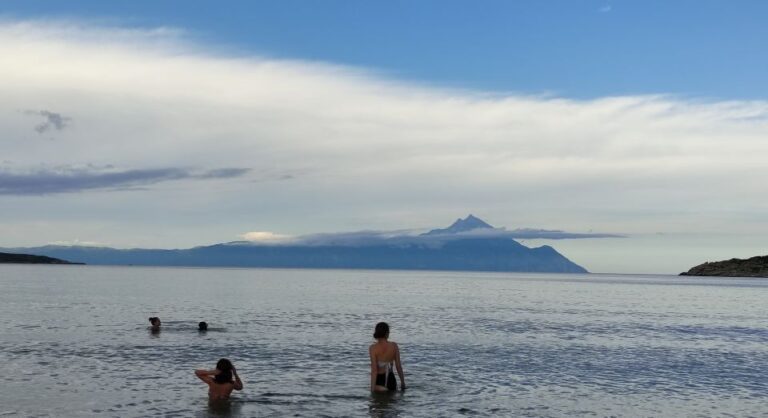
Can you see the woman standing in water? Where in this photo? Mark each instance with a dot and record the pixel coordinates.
(383, 353)
(219, 380)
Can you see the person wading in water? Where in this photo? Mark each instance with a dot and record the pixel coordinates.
(220, 380)
(383, 353)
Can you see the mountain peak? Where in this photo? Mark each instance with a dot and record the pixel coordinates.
(469, 223)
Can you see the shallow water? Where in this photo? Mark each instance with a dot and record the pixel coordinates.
(74, 341)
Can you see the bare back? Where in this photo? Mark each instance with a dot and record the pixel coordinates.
(384, 352)
(219, 391)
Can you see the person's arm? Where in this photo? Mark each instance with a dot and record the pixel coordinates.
(374, 368)
(205, 375)
(399, 367)
(238, 382)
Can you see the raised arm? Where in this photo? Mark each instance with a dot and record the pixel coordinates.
(206, 375)
(238, 382)
(399, 367)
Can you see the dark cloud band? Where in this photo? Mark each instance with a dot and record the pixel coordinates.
(70, 180)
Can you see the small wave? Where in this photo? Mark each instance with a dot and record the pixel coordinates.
(313, 395)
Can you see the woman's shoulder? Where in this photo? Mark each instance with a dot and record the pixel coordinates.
(386, 347)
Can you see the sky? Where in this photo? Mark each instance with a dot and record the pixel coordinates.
(178, 124)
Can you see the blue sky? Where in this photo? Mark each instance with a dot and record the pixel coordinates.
(177, 124)
(578, 49)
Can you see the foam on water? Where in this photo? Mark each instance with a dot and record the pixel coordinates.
(75, 342)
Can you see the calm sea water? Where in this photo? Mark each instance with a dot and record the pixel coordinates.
(74, 342)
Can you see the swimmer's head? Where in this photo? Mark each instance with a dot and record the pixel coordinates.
(155, 321)
(224, 366)
(202, 326)
(381, 331)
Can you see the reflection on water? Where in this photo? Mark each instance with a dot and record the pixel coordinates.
(384, 404)
(223, 408)
(472, 344)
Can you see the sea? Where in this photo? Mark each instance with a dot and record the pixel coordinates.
(75, 342)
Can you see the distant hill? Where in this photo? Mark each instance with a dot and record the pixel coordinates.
(462, 246)
(30, 259)
(735, 267)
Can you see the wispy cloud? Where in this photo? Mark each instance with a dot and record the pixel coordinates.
(77, 243)
(51, 120)
(266, 237)
(78, 179)
(605, 9)
(554, 234)
(222, 173)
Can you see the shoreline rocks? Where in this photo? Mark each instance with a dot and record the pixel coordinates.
(735, 267)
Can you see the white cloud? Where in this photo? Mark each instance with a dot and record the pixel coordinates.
(265, 236)
(332, 148)
(77, 243)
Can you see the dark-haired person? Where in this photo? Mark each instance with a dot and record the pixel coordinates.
(383, 354)
(154, 323)
(220, 380)
(202, 326)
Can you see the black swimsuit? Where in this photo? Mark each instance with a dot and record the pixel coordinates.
(387, 379)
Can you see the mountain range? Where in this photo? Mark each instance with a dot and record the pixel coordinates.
(469, 244)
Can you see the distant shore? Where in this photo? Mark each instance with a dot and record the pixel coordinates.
(10, 258)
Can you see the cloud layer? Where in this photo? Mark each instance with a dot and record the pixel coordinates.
(362, 238)
(361, 151)
(71, 179)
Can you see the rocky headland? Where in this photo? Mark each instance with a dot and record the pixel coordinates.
(30, 259)
(735, 267)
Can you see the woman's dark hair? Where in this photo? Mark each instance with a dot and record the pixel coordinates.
(153, 319)
(381, 331)
(224, 367)
(202, 326)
